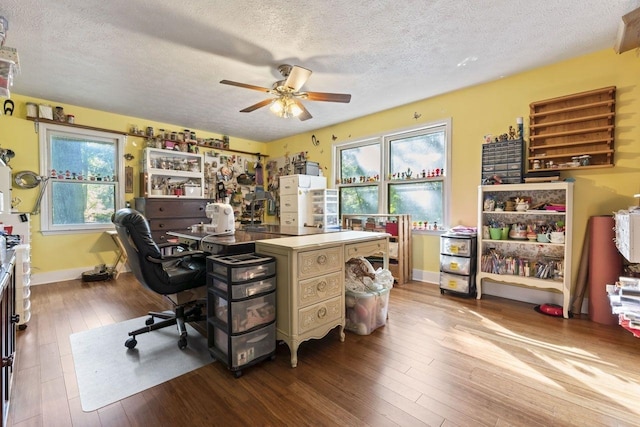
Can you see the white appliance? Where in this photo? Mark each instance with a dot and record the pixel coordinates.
(222, 219)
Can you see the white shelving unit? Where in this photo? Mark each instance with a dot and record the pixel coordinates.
(23, 284)
(324, 209)
(522, 254)
(21, 223)
(166, 169)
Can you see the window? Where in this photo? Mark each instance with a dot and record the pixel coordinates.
(409, 178)
(85, 178)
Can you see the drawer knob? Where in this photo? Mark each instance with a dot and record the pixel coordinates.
(161, 225)
(322, 259)
(161, 209)
(321, 286)
(322, 312)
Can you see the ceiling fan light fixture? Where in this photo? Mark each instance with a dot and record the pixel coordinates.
(277, 106)
(294, 109)
(285, 107)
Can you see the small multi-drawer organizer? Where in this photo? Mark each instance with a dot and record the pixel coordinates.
(458, 263)
(504, 159)
(241, 309)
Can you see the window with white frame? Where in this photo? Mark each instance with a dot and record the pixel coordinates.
(85, 177)
(401, 172)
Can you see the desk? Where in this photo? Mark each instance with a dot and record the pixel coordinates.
(121, 261)
(310, 292)
(242, 241)
(239, 243)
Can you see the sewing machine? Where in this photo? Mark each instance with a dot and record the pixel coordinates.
(222, 220)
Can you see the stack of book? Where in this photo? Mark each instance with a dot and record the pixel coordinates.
(625, 302)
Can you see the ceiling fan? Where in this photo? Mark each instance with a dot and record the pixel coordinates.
(288, 95)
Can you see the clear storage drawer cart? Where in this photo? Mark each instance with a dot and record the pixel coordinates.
(458, 263)
(241, 309)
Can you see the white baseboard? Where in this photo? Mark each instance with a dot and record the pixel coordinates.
(61, 275)
(517, 293)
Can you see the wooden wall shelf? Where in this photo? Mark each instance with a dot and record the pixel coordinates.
(570, 126)
(40, 120)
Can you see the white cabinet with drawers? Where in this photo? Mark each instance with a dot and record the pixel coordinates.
(310, 295)
(294, 198)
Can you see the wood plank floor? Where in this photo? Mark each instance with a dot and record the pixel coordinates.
(440, 361)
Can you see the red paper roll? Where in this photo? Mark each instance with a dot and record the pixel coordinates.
(605, 267)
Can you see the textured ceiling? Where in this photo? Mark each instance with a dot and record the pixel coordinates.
(162, 60)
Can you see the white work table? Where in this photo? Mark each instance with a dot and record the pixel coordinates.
(310, 293)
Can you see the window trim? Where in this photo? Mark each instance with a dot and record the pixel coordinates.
(44, 131)
(383, 139)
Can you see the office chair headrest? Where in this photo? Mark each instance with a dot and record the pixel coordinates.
(138, 230)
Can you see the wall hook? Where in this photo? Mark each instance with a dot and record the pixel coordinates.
(416, 115)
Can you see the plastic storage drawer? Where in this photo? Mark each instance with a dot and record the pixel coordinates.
(243, 349)
(240, 316)
(461, 284)
(244, 290)
(242, 268)
(456, 246)
(455, 264)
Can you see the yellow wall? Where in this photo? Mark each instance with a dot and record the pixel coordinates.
(74, 251)
(491, 108)
(475, 111)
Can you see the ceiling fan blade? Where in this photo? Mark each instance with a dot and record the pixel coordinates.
(297, 77)
(244, 85)
(329, 97)
(256, 106)
(305, 115)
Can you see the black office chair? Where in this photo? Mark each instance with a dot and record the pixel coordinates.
(166, 268)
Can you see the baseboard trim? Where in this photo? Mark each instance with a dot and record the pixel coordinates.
(516, 293)
(61, 275)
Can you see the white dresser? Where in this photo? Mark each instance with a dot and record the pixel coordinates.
(294, 198)
(310, 281)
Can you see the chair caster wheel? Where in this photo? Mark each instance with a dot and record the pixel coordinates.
(150, 321)
(182, 343)
(131, 343)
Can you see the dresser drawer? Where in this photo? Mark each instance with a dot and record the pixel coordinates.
(290, 184)
(169, 208)
(365, 249)
(320, 314)
(322, 261)
(462, 284)
(170, 224)
(457, 246)
(291, 202)
(290, 219)
(314, 290)
(456, 264)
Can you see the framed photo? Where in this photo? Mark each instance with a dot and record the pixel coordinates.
(128, 179)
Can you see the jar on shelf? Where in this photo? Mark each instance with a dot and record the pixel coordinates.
(32, 110)
(59, 114)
